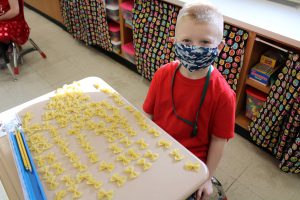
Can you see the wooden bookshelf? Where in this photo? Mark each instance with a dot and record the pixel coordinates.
(242, 121)
(128, 26)
(256, 85)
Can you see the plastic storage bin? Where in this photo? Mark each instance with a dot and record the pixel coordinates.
(116, 46)
(114, 31)
(128, 52)
(127, 8)
(255, 100)
(112, 12)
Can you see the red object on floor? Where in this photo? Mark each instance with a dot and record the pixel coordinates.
(43, 55)
(16, 70)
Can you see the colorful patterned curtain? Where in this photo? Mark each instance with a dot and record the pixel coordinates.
(277, 127)
(154, 23)
(86, 21)
(230, 58)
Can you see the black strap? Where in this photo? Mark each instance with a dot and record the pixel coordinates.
(193, 124)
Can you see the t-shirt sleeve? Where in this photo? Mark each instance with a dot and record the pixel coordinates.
(224, 118)
(149, 102)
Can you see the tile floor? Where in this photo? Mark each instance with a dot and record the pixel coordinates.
(246, 172)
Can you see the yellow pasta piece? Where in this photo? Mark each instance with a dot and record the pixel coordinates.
(96, 85)
(153, 132)
(45, 171)
(125, 160)
(51, 158)
(105, 195)
(106, 90)
(93, 157)
(152, 156)
(131, 172)
(91, 125)
(106, 166)
(68, 180)
(53, 133)
(176, 155)
(126, 141)
(81, 137)
(133, 154)
(97, 184)
(130, 108)
(119, 135)
(111, 138)
(73, 132)
(144, 125)
(131, 132)
(83, 176)
(51, 182)
(59, 169)
(76, 193)
(192, 166)
(142, 144)
(87, 147)
(119, 180)
(40, 161)
(60, 195)
(115, 148)
(164, 144)
(78, 165)
(144, 164)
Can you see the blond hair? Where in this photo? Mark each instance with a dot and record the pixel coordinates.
(203, 12)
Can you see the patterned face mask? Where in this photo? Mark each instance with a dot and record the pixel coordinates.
(195, 57)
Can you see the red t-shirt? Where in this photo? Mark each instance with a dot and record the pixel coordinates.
(216, 116)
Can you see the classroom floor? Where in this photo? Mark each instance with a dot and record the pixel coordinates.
(246, 172)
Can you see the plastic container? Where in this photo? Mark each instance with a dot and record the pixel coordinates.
(128, 52)
(112, 12)
(127, 8)
(116, 46)
(114, 31)
(255, 100)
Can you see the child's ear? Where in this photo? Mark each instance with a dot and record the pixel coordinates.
(221, 46)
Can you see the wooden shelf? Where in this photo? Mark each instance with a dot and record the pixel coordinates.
(264, 89)
(127, 25)
(114, 20)
(242, 121)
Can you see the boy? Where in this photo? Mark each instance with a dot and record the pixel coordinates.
(190, 99)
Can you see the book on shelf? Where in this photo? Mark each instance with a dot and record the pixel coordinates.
(262, 73)
(257, 81)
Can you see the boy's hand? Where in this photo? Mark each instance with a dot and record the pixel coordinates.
(205, 191)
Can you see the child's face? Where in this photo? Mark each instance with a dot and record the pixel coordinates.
(191, 33)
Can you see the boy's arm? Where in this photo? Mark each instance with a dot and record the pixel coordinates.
(215, 153)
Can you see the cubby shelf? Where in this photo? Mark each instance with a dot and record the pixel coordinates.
(242, 121)
(253, 83)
